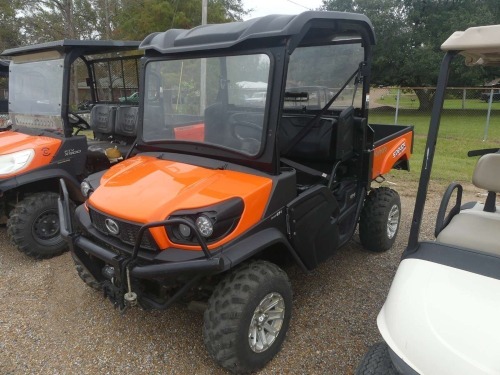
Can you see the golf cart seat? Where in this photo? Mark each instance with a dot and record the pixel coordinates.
(474, 225)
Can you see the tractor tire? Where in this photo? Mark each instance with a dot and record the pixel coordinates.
(248, 316)
(379, 220)
(33, 226)
(86, 277)
(377, 361)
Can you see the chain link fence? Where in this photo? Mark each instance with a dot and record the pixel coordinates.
(482, 104)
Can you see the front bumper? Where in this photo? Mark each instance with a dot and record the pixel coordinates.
(129, 265)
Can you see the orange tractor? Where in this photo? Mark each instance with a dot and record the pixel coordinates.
(221, 190)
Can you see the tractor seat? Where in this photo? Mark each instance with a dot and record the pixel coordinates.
(477, 225)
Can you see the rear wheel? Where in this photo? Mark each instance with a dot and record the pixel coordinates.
(248, 316)
(377, 361)
(379, 220)
(33, 226)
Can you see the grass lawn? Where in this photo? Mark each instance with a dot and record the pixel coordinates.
(458, 134)
(410, 101)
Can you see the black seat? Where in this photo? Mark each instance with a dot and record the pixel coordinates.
(114, 127)
(102, 121)
(328, 140)
(126, 122)
(318, 151)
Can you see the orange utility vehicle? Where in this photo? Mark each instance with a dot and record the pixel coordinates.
(221, 191)
(46, 83)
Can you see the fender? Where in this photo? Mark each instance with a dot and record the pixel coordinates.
(48, 173)
(251, 245)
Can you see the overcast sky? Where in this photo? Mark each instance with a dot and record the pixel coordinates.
(264, 7)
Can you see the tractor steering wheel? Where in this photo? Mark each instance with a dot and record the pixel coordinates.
(78, 122)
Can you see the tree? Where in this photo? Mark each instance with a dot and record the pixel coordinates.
(9, 32)
(138, 18)
(47, 20)
(409, 36)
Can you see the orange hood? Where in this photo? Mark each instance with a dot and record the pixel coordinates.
(45, 147)
(145, 189)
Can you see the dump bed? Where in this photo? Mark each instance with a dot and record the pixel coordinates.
(392, 148)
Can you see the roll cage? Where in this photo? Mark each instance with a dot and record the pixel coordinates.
(90, 53)
(275, 36)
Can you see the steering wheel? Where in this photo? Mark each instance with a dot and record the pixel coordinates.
(249, 144)
(80, 123)
(248, 125)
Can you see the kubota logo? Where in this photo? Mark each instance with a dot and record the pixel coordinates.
(112, 226)
(399, 150)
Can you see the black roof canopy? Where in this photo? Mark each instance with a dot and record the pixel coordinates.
(268, 30)
(89, 46)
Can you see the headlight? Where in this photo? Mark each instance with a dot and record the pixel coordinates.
(16, 161)
(205, 226)
(185, 230)
(86, 189)
(213, 223)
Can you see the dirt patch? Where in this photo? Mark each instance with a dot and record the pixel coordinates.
(50, 322)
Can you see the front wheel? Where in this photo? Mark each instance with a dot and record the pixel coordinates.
(379, 220)
(86, 276)
(377, 361)
(248, 316)
(33, 226)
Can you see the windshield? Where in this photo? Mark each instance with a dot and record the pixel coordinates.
(218, 101)
(316, 74)
(35, 94)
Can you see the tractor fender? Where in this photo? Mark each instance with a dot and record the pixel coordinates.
(253, 244)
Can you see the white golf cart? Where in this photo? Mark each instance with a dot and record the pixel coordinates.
(442, 314)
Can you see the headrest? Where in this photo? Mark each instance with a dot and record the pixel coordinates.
(487, 173)
(126, 121)
(102, 118)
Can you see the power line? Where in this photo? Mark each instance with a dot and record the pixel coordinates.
(300, 5)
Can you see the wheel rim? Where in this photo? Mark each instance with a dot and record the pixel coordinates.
(266, 323)
(46, 227)
(393, 222)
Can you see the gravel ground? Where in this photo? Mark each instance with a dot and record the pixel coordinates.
(51, 323)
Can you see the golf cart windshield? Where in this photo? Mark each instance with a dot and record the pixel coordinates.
(218, 101)
(316, 74)
(35, 94)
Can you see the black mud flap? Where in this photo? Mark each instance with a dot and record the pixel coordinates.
(312, 220)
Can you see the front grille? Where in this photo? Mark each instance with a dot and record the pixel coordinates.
(128, 231)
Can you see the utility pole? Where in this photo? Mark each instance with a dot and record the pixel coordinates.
(203, 75)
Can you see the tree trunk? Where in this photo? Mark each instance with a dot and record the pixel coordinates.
(425, 98)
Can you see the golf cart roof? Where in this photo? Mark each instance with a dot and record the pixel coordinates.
(262, 31)
(89, 46)
(480, 45)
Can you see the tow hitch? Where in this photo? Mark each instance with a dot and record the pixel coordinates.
(115, 290)
(130, 297)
